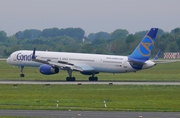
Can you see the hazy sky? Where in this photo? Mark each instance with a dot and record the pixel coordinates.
(90, 15)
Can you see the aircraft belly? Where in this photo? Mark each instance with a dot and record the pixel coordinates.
(117, 69)
(110, 68)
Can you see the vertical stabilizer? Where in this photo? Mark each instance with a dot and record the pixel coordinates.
(144, 49)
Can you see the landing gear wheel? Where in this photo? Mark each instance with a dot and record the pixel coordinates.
(73, 78)
(70, 78)
(93, 78)
(21, 69)
(22, 75)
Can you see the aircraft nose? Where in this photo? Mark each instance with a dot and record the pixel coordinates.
(9, 60)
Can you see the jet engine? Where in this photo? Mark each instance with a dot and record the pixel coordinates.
(48, 70)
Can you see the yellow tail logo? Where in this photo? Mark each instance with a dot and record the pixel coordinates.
(146, 45)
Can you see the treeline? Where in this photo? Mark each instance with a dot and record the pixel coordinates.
(119, 42)
(76, 33)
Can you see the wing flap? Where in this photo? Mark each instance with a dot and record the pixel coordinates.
(66, 66)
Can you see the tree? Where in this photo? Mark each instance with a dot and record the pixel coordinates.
(99, 41)
(160, 32)
(28, 34)
(51, 32)
(101, 49)
(130, 38)
(3, 36)
(76, 33)
(178, 42)
(118, 47)
(99, 35)
(118, 34)
(87, 48)
(141, 33)
(119, 42)
(172, 47)
(176, 31)
(19, 35)
(46, 33)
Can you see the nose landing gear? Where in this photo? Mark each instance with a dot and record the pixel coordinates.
(21, 70)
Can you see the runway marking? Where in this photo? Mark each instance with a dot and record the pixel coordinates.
(88, 114)
(87, 82)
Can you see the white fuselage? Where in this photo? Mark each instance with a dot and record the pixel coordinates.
(101, 63)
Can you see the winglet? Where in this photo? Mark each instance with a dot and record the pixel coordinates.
(157, 55)
(33, 55)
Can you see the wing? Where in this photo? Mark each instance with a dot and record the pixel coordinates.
(72, 66)
(63, 64)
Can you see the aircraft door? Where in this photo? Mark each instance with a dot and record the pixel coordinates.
(125, 64)
(15, 57)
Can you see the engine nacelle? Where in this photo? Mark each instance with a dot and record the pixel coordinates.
(88, 72)
(48, 70)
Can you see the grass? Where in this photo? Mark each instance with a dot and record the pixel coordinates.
(91, 97)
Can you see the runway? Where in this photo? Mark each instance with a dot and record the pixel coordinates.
(88, 114)
(89, 82)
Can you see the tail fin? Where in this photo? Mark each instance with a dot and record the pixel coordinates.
(143, 50)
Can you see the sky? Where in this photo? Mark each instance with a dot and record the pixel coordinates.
(91, 15)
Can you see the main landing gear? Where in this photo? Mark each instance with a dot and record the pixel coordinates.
(92, 78)
(70, 78)
(22, 74)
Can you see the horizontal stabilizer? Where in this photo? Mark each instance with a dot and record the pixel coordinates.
(157, 55)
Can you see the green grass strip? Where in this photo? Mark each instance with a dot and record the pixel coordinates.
(91, 97)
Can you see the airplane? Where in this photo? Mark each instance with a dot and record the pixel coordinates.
(88, 64)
